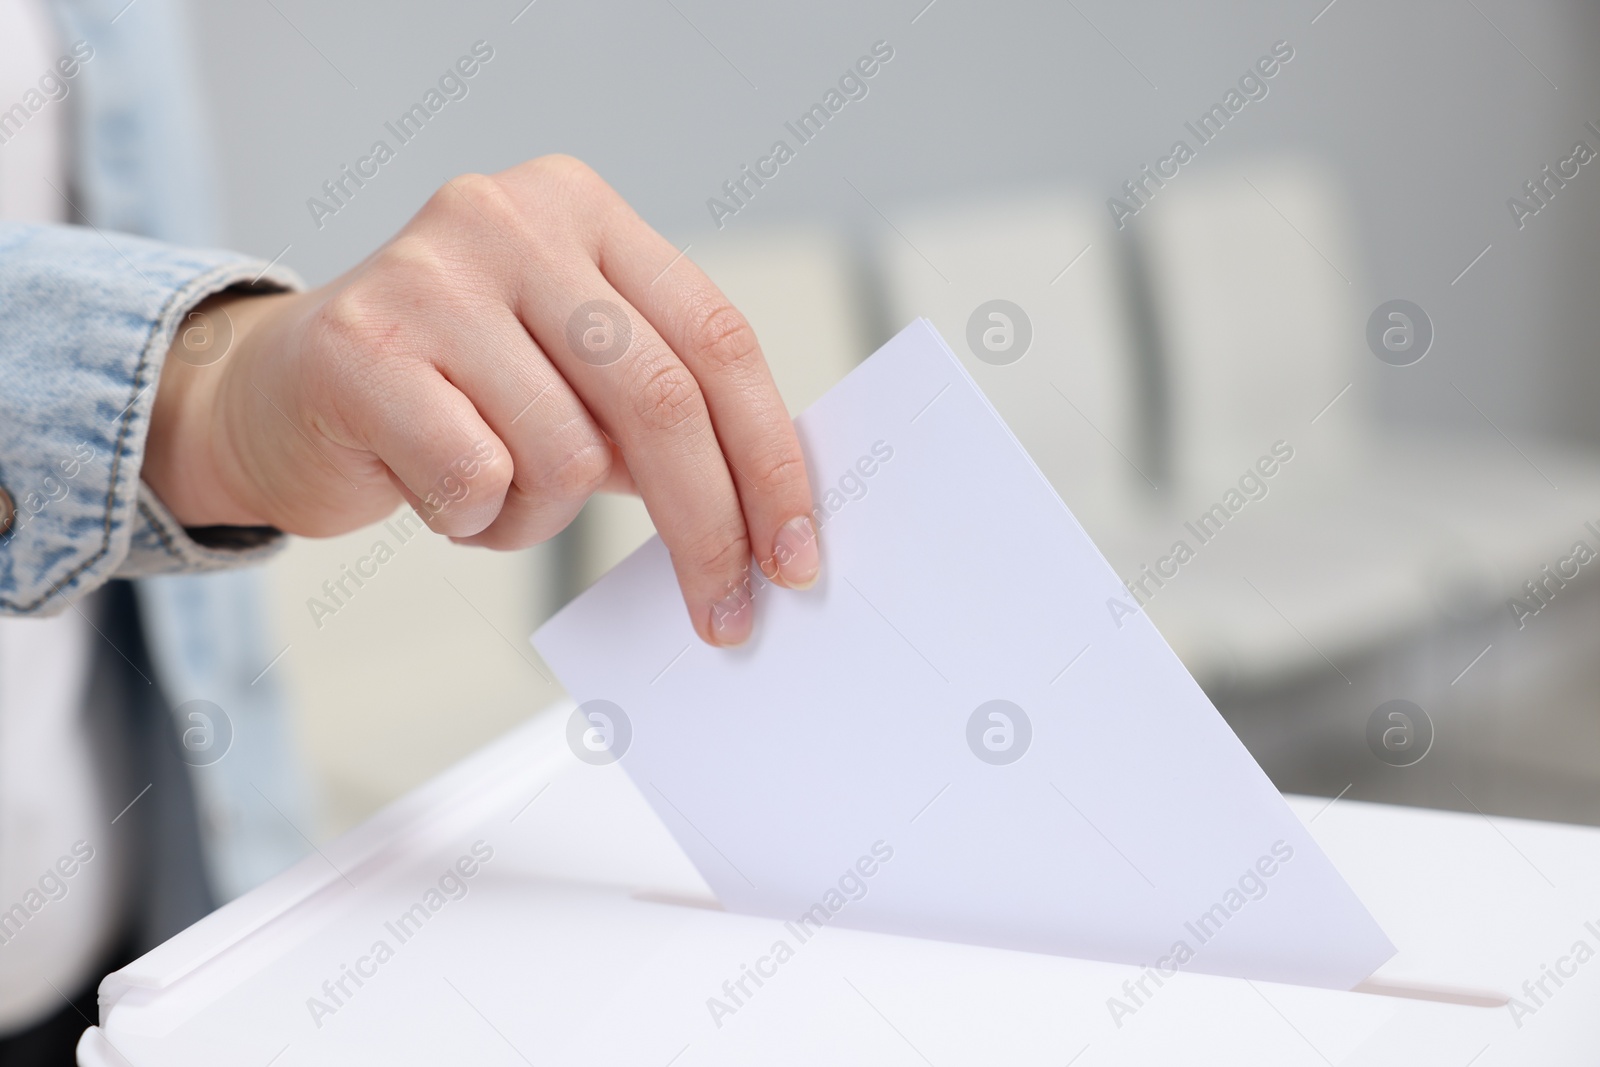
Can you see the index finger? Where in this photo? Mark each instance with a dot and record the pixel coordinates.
(752, 424)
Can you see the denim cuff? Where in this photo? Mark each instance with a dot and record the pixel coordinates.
(161, 545)
(91, 316)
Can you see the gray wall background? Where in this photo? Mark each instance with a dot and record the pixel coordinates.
(1432, 113)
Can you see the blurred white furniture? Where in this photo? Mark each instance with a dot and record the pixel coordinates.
(1252, 276)
(1072, 397)
(587, 937)
(1371, 533)
(1230, 316)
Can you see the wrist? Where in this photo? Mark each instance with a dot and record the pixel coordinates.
(187, 461)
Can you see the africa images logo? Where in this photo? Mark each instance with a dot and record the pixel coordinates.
(999, 732)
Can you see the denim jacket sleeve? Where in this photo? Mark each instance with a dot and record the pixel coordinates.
(88, 320)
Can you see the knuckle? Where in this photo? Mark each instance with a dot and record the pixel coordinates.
(777, 469)
(361, 351)
(565, 195)
(476, 199)
(564, 169)
(723, 337)
(359, 330)
(725, 550)
(579, 472)
(666, 396)
(494, 476)
(414, 257)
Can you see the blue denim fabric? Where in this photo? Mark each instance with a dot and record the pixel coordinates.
(141, 162)
(89, 313)
(89, 317)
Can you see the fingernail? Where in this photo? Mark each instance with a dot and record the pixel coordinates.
(795, 549)
(732, 617)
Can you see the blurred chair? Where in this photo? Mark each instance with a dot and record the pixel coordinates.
(1168, 359)
(1073, 397)
(1371, 533)
(1253, 278)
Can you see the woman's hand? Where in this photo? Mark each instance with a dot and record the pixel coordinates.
(523, 342)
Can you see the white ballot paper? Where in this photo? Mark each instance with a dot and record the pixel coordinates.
(963, 731)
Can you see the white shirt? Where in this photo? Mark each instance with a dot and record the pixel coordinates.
(35, 152)
(51, 795)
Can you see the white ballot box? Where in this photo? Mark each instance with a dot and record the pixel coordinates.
(529, 907)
